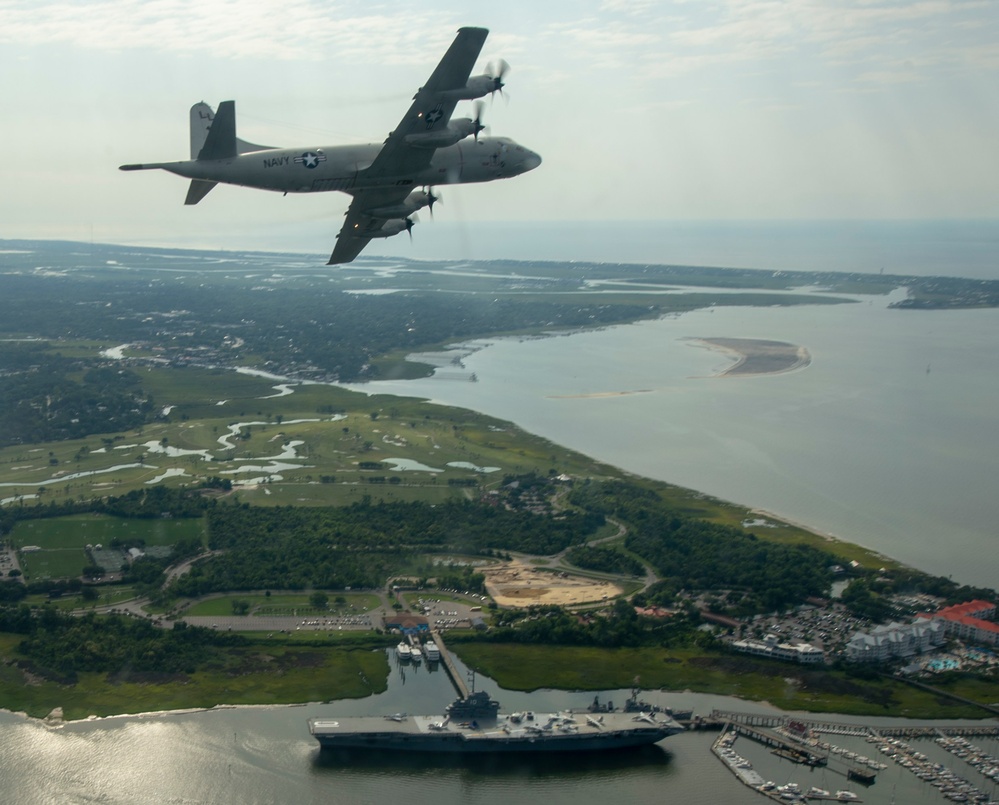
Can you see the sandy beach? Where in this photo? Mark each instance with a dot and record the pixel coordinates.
(755, 356)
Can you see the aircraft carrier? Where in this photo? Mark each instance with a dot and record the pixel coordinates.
(473, 724)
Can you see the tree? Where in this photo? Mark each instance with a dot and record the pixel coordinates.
(319, 599)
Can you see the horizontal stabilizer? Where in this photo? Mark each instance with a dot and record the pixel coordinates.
(198, 190)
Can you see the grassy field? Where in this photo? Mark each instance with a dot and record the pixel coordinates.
(285, 605)
(521, 667)
(107, 595)
(337, 430)
(76, 531)
(265, 673)
(63, 540)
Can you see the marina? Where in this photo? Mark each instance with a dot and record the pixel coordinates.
(901, 749)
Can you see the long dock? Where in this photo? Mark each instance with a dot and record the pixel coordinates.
(771, 720)
(448, 663)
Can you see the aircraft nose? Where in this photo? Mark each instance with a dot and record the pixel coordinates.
(531, 161)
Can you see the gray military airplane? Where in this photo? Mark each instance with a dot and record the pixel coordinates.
(427, 148)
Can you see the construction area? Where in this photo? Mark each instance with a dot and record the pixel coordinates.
(518, 584)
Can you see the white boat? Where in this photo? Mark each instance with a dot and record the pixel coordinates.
(415, 653)
(846, 796)
(431, 650)
(403, 651)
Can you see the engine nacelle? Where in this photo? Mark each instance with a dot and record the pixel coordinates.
(416, 200)
(390, 228)
(456, 130)
(477, 87)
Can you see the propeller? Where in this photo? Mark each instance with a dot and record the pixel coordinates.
(432, 199)
(477, 123)
(497, 74)
(410, 221)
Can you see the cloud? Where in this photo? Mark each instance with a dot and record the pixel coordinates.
(859, 40)
(233, 29)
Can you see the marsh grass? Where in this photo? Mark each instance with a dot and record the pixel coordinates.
(260, 674)
(789, 687)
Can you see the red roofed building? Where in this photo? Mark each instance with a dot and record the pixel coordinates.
(967, 621)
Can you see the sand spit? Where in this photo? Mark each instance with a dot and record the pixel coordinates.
(754, 356)
(597, 394)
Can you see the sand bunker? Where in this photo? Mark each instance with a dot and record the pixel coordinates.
(517, 584)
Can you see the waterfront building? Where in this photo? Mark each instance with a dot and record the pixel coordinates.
(804, 653)
(894, 640)
(968, 621)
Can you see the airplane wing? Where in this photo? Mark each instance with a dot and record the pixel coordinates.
(359, 227)
(430, 111)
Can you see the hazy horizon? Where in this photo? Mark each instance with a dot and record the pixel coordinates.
(965, 248)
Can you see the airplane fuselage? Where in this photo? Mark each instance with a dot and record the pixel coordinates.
(342, 167)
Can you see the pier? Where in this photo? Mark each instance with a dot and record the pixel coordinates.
(743, 770)
(987, 729)
(448, 663)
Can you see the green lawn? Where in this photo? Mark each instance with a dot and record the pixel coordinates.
(63, 539)
(59, 563)
(79, 530)
(107, 595)
(285, 605)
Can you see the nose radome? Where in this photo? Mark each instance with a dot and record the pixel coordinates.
(531, 161)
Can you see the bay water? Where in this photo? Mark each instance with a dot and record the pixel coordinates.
(258, 755)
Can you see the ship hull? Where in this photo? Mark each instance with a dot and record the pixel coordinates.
(423, 734)
(457, 745)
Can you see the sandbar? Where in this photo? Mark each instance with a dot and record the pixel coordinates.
(755, 356)
(597, 394)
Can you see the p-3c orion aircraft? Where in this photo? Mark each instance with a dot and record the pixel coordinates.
(427, 148)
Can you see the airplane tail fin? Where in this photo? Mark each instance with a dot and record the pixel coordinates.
(202, 119)
(213, 136)
(218, 138)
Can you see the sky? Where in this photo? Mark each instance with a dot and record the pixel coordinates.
(644, 111)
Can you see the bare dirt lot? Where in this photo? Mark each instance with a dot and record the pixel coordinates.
(517, 584)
